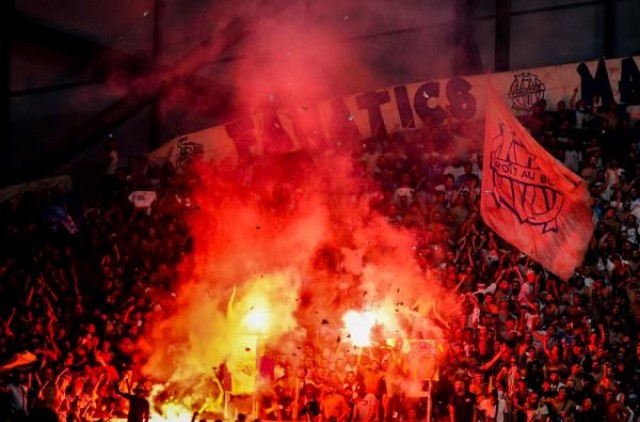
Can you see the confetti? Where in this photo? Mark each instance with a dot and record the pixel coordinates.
(146, 13)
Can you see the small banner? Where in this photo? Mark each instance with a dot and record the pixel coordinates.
(243, 365)
(422, 360)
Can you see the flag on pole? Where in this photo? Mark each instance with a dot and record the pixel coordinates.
(529, 198)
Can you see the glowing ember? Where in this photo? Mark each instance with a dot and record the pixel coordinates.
(359, 325)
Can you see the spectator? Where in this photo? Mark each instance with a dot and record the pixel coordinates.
(462, 404)
(138, 405)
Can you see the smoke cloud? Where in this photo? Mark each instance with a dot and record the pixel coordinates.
(285, 246)
(282, 250)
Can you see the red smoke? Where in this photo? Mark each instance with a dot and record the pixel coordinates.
(288, 241)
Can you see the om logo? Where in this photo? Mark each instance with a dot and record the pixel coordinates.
(526, 90)
(521, 186)
(188, 151)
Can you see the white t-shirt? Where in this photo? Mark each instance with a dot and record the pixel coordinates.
(403, 194)
(454, 171)
(634, 113)
(17, 397)
(572, 160)
(142, 198)
(537, 414)
(365, 409)
(630, 233)
(489, 409)
(582, 118)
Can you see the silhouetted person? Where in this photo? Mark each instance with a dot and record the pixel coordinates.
(138, 405)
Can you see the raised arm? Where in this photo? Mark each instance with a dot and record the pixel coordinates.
(116, 387)
(572, 101)
(492, 362)
(7, 323)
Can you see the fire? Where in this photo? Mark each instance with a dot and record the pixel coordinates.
(172, 412)
(359, 326)
(180, 408)
(257, 320)
(263, 282)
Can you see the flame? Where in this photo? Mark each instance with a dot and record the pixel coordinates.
(263, 281)
(257, 320)
(172, 412)
(359, 326)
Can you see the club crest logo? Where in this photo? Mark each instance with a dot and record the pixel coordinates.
(526, 90)
(188, 151)
(521, 186)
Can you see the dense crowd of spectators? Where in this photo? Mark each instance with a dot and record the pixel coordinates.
(78, 273)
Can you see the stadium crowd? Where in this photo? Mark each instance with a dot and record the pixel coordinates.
(79, 271)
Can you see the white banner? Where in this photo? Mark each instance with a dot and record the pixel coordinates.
(382, 111)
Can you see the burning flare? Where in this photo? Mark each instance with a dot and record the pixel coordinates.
(359, 326)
